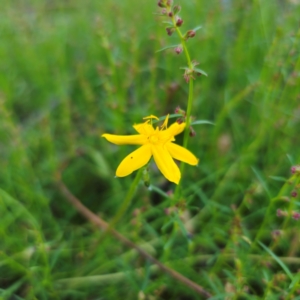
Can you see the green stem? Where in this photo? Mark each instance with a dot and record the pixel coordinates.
(126, 201)
(190, 99)
(188, 113)
(184, 47)
(186, 132)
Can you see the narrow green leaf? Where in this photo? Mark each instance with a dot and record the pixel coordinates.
(165, 48)
(101, 165)
(168, 22)
(159, 191)
(199, 122)
(277, 259)
(181, 226)
(291, 159)
(197, 28)
(165, 226)
(295, 281)
(278, 178)
(201, 71)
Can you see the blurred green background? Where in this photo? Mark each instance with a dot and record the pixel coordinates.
(72, 70)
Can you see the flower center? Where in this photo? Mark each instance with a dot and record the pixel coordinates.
(153, 139)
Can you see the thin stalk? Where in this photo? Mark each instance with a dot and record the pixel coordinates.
(127, 199)
(186, 132)
(183, 44)
(190, 98)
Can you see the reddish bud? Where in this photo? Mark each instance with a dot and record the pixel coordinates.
(190, 33)
(180, 111)
(169, 2)
(177, 109)
(179, 22)
(170, 30)
(293, 169)
(294, 194)
(188, 75)
(180, 120)
(178, 49)
(295, 215)
(170, 14)
(161, 3)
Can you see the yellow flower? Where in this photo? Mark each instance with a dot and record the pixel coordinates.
(154, 142)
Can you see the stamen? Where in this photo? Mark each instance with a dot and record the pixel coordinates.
(165, 124)
(151, 117)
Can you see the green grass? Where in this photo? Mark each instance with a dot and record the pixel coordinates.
(72, 70)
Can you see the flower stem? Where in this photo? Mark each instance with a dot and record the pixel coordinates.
(188, 113)
(127, 199)
(190, 98)
(186, 132)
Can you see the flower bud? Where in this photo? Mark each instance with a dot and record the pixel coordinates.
(190, 34)
(180, 111)
(176, 9)
(170, 14)
(294, 194)
(170, 30)
(179, 22)
(161, 3)
(178, 49)
(188, 75)
(295, 215)
(180, 120)
(295, 169)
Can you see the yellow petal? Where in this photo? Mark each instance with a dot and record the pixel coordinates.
(134, 161)
(125, 139)
(144, 128)
(175, 128)
(168, 134)
(165, 163)
(182, 154)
